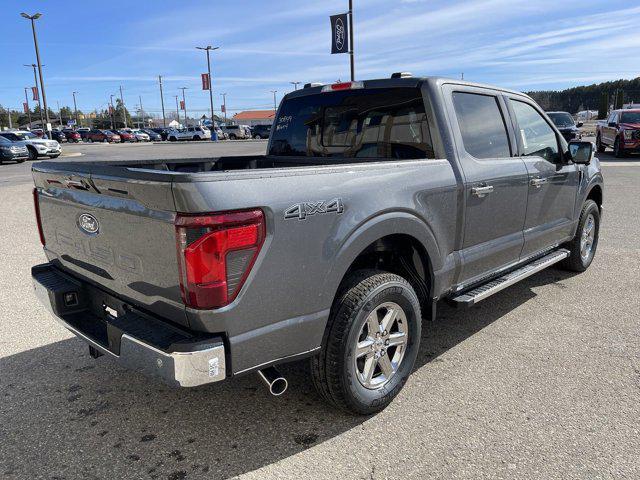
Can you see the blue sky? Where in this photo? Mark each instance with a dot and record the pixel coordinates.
(94, 47)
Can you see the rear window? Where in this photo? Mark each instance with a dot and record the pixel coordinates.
(386, 123)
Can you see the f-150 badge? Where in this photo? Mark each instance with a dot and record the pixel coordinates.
(307, 209)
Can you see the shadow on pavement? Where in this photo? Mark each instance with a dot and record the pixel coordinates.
(64, 415)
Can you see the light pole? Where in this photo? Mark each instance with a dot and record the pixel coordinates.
(224, 103)
(33, 19)
(26, 99)
(75, 107)
(112, 113)
(141, 112)
(124, 110)
(35, 79)
(164, 118)
(353, 63)
(177, 110)
(208, 48)
(275, 103)
(184, 104)
(295, 84)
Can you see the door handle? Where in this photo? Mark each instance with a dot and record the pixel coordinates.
(482, 191)
(537, 182)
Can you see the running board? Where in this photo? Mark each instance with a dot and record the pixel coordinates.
(485, 290)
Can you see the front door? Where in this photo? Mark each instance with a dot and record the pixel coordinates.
(608, 131)
(495, 182)
(553, 183)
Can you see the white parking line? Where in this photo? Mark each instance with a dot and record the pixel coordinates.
(620, 164)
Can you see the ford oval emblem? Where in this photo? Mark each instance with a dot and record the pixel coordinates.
(88, 224)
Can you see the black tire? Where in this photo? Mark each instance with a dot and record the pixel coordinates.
(54, 156)
(334, 369)
(576, 262)
(21, 160)
(106, 140)
(33, 153)
(232, 137)
(599, 145)
(617, 151)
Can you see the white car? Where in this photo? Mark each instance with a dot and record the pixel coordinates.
(236, 132)
(38, 147)
(141, 136)
(190, 133)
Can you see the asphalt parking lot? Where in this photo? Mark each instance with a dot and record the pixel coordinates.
(541, 381)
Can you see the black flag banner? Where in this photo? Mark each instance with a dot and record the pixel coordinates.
(339, 33)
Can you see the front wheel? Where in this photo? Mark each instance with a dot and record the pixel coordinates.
(33, 153)
(617, 149)
(370, 344)
(54, 156)
(583, 246)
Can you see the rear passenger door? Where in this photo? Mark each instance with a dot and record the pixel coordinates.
(553, 182)
(495, 181)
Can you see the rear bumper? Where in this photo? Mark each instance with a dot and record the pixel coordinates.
(136, 340)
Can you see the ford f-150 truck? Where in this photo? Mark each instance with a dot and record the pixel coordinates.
(620, 131)
(374, 201)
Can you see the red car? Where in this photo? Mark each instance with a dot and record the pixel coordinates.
(125, 136)
(72, 135)
(106, 136)
(621, 131)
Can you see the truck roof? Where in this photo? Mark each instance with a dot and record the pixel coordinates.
(405, 82)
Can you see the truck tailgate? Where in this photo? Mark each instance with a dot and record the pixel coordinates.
(116, 232)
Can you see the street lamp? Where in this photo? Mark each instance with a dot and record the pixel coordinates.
(33, 19)
(35, 79)
(295, 84)
(112, 112)
(224, 105)
(26, 99)
(208, 48)
(275, 104)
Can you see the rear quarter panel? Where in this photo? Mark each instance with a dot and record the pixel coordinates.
(284, 305)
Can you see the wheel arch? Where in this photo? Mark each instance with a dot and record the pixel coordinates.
(595, 194)
(398, 242)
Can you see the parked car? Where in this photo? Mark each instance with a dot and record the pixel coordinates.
(621, 131)
(106, 136)
(236, 132)
(37, 147)
(12, 151)
(567, 126)
(58, 136)
(190, 133)
(72, 135)
(38, 132)
(333, 246)
(163, 132)
(153, 135)
(261, 131)
(126, 135)
(221, 135)
(141, 136)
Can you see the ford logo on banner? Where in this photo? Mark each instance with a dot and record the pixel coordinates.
(339, 33)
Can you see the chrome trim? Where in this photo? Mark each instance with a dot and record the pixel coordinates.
(513, 277)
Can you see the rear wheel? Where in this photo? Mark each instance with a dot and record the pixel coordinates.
(599, 145)
(370, 344)
(106, 140)
(172, 139)
(584, 244)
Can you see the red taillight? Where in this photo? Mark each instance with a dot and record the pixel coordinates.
(216, 253)
(36, 206)
(335, 87)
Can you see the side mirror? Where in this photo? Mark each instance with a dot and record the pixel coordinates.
(579, 124)
(581, 152)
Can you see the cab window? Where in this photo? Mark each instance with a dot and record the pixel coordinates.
(537, 136)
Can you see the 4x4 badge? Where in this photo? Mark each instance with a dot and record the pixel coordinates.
(306, 209)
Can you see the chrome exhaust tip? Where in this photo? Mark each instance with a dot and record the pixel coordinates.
(274, 381)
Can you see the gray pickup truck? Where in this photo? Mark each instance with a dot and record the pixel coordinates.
(375, 200)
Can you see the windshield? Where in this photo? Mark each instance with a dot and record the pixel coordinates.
(562, 119)
(370, 123)
(630, 117)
